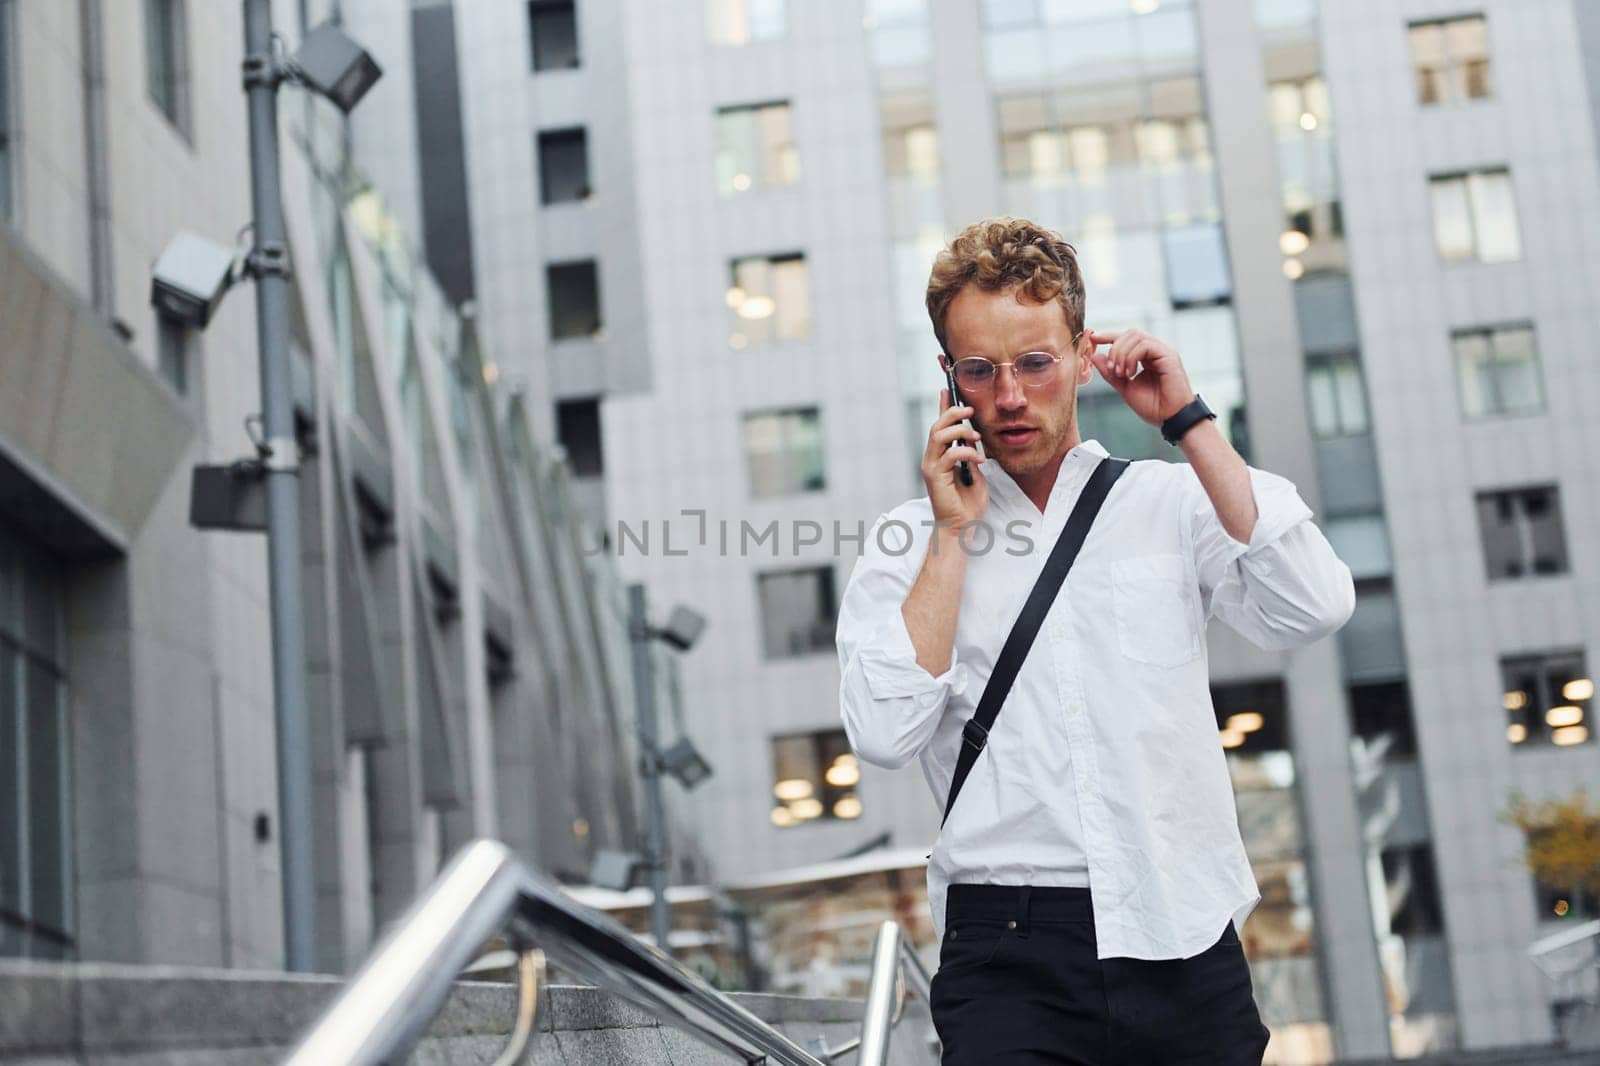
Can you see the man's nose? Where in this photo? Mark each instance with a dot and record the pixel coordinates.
(1009, 395)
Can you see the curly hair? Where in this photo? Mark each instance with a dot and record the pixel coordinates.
(999, 253)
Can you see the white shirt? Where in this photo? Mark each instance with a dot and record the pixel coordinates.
(1105, 767)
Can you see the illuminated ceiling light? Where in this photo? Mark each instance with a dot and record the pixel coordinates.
(734, 296)
(741, 182)
(792, 788)
(1293, 269)
(1145, 7)
(843, 775)
(782, 817)
(1308, 121)
(806, 809)
(1244, 722)
(1516, 732)
(580, 827)
(491, 373)
(1567, 735)
(1293, 242)
(1231, 738)
(847, 807)
(1581, 689)
(738, 340)
(1567, 715)
(1561, 907)
(1515, 700)
(757, 307)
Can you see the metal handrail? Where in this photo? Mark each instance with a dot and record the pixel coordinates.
(390, 1002)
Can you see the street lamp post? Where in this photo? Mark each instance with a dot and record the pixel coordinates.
(680, 761)
(269, 263)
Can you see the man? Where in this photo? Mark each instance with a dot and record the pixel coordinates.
(1090, 878)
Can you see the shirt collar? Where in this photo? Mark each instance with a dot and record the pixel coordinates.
(1074, 470)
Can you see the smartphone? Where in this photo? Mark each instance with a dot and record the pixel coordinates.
(963, 468)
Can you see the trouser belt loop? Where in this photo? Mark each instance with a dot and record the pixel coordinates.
(1022, 910)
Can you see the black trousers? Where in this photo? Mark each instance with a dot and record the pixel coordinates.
(1018, 982)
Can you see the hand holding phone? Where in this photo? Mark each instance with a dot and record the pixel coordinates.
(963, 468)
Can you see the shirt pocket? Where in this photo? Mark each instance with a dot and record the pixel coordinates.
(1153, 601)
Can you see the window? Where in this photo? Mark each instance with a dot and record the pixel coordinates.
(1337, 395)
(1547, 699)
(578, 430)
(172, 353)
(1299, 105)
(744, 21)
(1412, 902)
(1380, 715)
(1497, 371)
(166, 60)
(784, 451)
(7, 207)
(1452, 59)
(1522, 532)
(1475, 217)
(798, 611)
(755, 148)
(563, 166)
(553, 30)
(910, 141)
(35, 761)
(769, 299)
(1573, 902)
(814, 778)
(1362, 543)
(574, 290)
(1197, 265)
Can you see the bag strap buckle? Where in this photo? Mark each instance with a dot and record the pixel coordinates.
(975, 734)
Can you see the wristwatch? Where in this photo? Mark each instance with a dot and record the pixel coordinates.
(1190, 413)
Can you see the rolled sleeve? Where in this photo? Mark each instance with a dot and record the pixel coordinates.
(1283, 589)
(890, 705)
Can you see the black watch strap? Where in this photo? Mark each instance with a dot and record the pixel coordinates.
(1173, 429)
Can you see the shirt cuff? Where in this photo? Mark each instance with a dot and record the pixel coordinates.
(1279, 509)
(889, 663)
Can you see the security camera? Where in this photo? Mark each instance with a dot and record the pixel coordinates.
(191, 278)
(335, 66)
(683, 628)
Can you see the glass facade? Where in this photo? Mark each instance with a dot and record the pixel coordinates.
(1279, 937)
(36, 904)
(1113, 151)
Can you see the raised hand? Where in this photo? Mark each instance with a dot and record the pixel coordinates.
(1146, 373)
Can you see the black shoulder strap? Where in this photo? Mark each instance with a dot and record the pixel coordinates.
(976, 732)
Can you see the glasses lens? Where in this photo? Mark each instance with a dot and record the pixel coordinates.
(1036, 368)
(974, 373)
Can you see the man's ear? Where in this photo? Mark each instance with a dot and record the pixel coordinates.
(1085, 364)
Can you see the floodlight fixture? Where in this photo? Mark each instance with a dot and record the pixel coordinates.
(614, 869)
(190, 279)
(336, 67)
(684, 762)
(683, 628)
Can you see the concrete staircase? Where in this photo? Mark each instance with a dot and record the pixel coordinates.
(95, 1013)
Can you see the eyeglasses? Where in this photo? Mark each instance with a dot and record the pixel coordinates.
(1032, 369)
